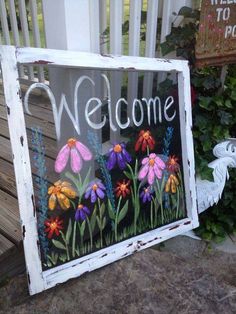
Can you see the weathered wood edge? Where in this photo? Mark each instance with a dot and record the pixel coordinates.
(87, 60)
(22, 168)
(115, 252)
(185, 107)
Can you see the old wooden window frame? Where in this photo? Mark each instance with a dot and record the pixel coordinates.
(10, 58)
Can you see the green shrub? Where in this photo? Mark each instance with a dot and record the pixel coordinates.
(214, 117)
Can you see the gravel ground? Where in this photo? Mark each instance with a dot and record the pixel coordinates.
(183, 276)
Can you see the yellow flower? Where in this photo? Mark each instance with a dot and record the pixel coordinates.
(61, 191)
(171, 184)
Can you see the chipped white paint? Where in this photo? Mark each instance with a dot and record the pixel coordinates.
(87, 60)
(185, 108)
(115, 252)
(22, 168)
(39, 280)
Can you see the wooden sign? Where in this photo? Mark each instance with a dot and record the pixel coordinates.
(110, 176)
(216, 41)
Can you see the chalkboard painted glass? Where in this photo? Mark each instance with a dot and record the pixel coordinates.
(113, 172)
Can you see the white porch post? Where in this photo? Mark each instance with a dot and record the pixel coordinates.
(72, 25)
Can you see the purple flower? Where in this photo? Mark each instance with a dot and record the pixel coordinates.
(145, 195)
(152, 166)
(82, 212)
(95, 190)
(118, 155)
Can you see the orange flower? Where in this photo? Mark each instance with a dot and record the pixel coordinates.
(172, 164)
(122, 188)
(61, 191)
(53, 226)
(144, 140)
(171, 184)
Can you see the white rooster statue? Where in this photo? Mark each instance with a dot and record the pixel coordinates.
(208, 192)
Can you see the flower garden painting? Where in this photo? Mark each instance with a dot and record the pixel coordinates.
(137, 186)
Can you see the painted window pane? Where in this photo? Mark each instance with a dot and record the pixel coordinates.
(107, 162)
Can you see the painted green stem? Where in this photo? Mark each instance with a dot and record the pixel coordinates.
(66, 245)
(151, 215)
(116, 219)
(74, 238)
(135, 193)
(160, 199)
(90, 233)
(100, 225)
(177, 205)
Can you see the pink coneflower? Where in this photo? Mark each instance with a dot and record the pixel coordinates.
(152, 167)
(76, 151)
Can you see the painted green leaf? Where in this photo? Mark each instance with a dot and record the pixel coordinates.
(68, 232)
(63, 236)
(110, 211)
(99, 223)
(128, 175)
(136, 168)
(73, 179)
(93, 219)
(102, 209)
(104, 221)
(73, 204)
(82, 228)
(49, 264)
(123, 212)
(173, 199)
(86, 181)
(58, 244)
(63, 258)
(77, 251)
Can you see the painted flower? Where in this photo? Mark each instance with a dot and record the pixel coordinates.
(122, 188)
(172, 164)
(60, 192)
(152, 166)
(95, 190)
(53, 225)
(76, 151)
(82, 212)
(145, 140)
(146, 194)
(118, 155)
(171, 184)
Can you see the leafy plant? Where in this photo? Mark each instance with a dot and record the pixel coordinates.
(66, 241)
(80, 184)
(135, 189)
(214, 117)
(101, 220)
(118, 215)
(52, 259)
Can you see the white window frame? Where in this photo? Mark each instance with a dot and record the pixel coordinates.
(10, 58)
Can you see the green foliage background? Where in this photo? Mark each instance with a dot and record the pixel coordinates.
(214, 116)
